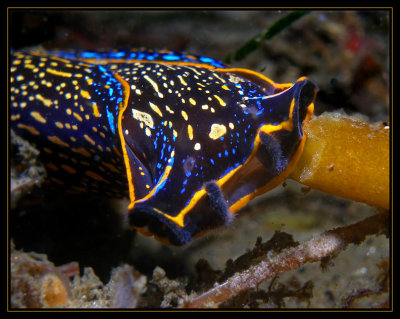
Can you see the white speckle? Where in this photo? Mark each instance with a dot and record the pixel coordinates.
(371, 251)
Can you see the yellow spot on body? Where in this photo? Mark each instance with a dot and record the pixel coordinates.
(197, 146)
(219, 78)
(225, 87)
(29, 128)
(79, 189)
(87, 138)
(89, 81)
(68, 111)
(45, 101)
(78, 117)
(231, 126)
(57, 140)
(147, 186)
(204, 107)
(169, 109)
(62, 155)
(38, 117)
(155, 108)
(221, 101)
(184, 115)
(59, 124)
(51, 166)
(192, 101)
(95, 110)
(68, 169)
(175, 133)
(61, 60)
(190, 132)
(111, 167)
(58, 73)
(20, 78)
(85, 94)
(96, 176)
(56, 180)
(15, 117)
(217, 130)
(148, 132)
(68, 96)
(154, 85)
(182, 80)
(81, 151)
(146, 118)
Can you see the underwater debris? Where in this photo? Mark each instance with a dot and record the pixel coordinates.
(122, 291)
(314, 250)
(208, 277)
(125, 287)
(38, 283)
(272, 298)
(377, 297)
(174, 293)
(26, 170)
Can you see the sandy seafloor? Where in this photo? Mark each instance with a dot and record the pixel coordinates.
(331, 47)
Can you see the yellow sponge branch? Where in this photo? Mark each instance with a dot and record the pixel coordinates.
(347, 157)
